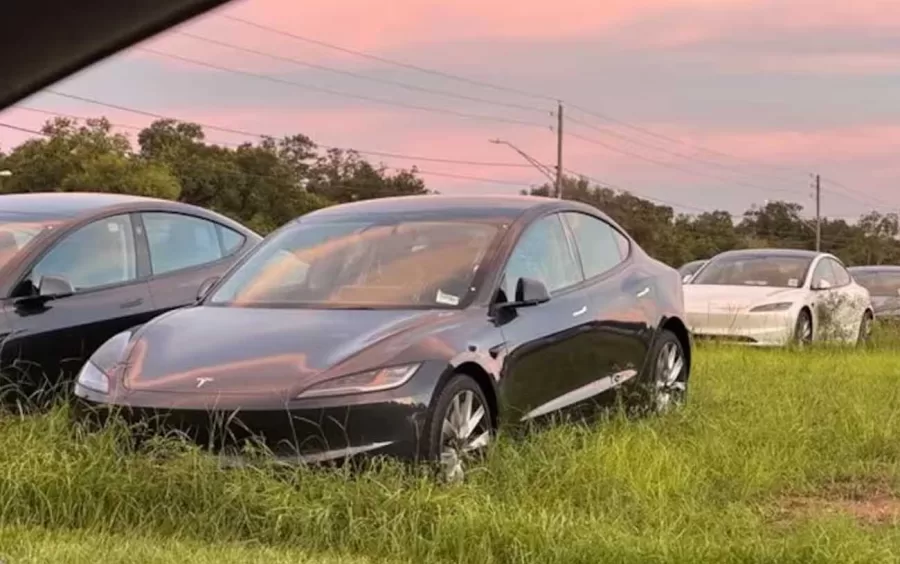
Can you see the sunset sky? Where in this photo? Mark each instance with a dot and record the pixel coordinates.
(700, 103)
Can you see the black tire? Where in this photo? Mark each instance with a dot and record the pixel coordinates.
(865, 328)
(803, 328)
(666, 385)
(437, 443)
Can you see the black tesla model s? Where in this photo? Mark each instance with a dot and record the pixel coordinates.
(78, 268)
(406, 326)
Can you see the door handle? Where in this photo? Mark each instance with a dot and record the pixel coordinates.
(580, 311)
(643, 292)
(132, 303)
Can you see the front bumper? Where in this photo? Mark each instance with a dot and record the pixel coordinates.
(387, 423)
(760, 329)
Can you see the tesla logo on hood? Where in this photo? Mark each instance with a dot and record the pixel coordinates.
(201, 381)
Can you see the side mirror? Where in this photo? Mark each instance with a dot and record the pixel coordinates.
(205, 287)
(821, 284)
(529, 292)
(55, 287)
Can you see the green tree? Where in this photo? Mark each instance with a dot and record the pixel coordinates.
(89, 157)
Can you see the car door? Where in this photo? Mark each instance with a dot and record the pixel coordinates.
(852, 300)
(51, 339)
(184, 251)
(546, 344)
(826, 299)
(620, 303)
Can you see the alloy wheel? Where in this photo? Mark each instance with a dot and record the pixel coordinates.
(465, 433)
(804, 331)
(865, 329)
(670, 382)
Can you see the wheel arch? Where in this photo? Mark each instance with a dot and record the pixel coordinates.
(484, 381)
(681, 332)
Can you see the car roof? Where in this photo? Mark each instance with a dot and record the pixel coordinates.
(875, 267)
(66, 204)
(508, 207)
(769, 252)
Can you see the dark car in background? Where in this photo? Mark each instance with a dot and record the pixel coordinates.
(407, 326)
(883, 284)
(77, 268)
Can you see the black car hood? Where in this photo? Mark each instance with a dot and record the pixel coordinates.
(231, 350)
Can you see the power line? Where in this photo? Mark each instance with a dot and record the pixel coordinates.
(22, 129)
(360, 76)
(333, 92)
(264, 136)
(387, 61)
(674, 166)
(677, 154)
(497, 87)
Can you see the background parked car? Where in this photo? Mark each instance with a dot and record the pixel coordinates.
(77, 268)
(883, 284)
(408, 326)
(776, 296)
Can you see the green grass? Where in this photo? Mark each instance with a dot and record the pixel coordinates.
(781, 456)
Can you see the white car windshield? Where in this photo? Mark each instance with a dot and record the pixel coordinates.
(358, 264)
(755, 270)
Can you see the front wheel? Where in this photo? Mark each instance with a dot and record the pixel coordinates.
(460, 427)
(803, 329)
(865, 328)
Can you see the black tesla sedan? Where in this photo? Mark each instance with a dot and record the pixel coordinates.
(77, 268)
(406, 326)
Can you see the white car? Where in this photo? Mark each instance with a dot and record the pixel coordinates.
(777, 296)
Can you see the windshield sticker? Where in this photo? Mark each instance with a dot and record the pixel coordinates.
(113, 227)
(793, 282)
(446, 299)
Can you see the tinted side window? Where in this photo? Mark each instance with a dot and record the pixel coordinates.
(542, 253)
(841, 276)
(99, 254)
(231, 240)
(823, 272)
(601, 247)
(180, 241)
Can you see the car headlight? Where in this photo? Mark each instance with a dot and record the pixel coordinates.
(370, 381)
(93, 379)
(780, 306)
(94, 375)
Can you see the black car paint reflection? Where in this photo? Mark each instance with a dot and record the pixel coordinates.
(253, 360)
(47, 327)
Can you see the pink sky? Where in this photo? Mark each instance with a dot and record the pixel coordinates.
(794, 86)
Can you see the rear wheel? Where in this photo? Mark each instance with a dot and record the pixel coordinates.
(803, 329)
(460, 427)
(669, 375)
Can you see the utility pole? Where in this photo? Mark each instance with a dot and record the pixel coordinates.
(559, 149)
(818, 215)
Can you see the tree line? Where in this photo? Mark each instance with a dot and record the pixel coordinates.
(269, 182)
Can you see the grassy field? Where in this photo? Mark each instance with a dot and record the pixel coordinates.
(781, 456)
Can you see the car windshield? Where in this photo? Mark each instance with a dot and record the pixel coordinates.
(361, 264)
(16, 232)
(756, 270)
(879, 282)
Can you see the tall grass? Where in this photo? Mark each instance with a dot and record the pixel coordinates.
(712, 483)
